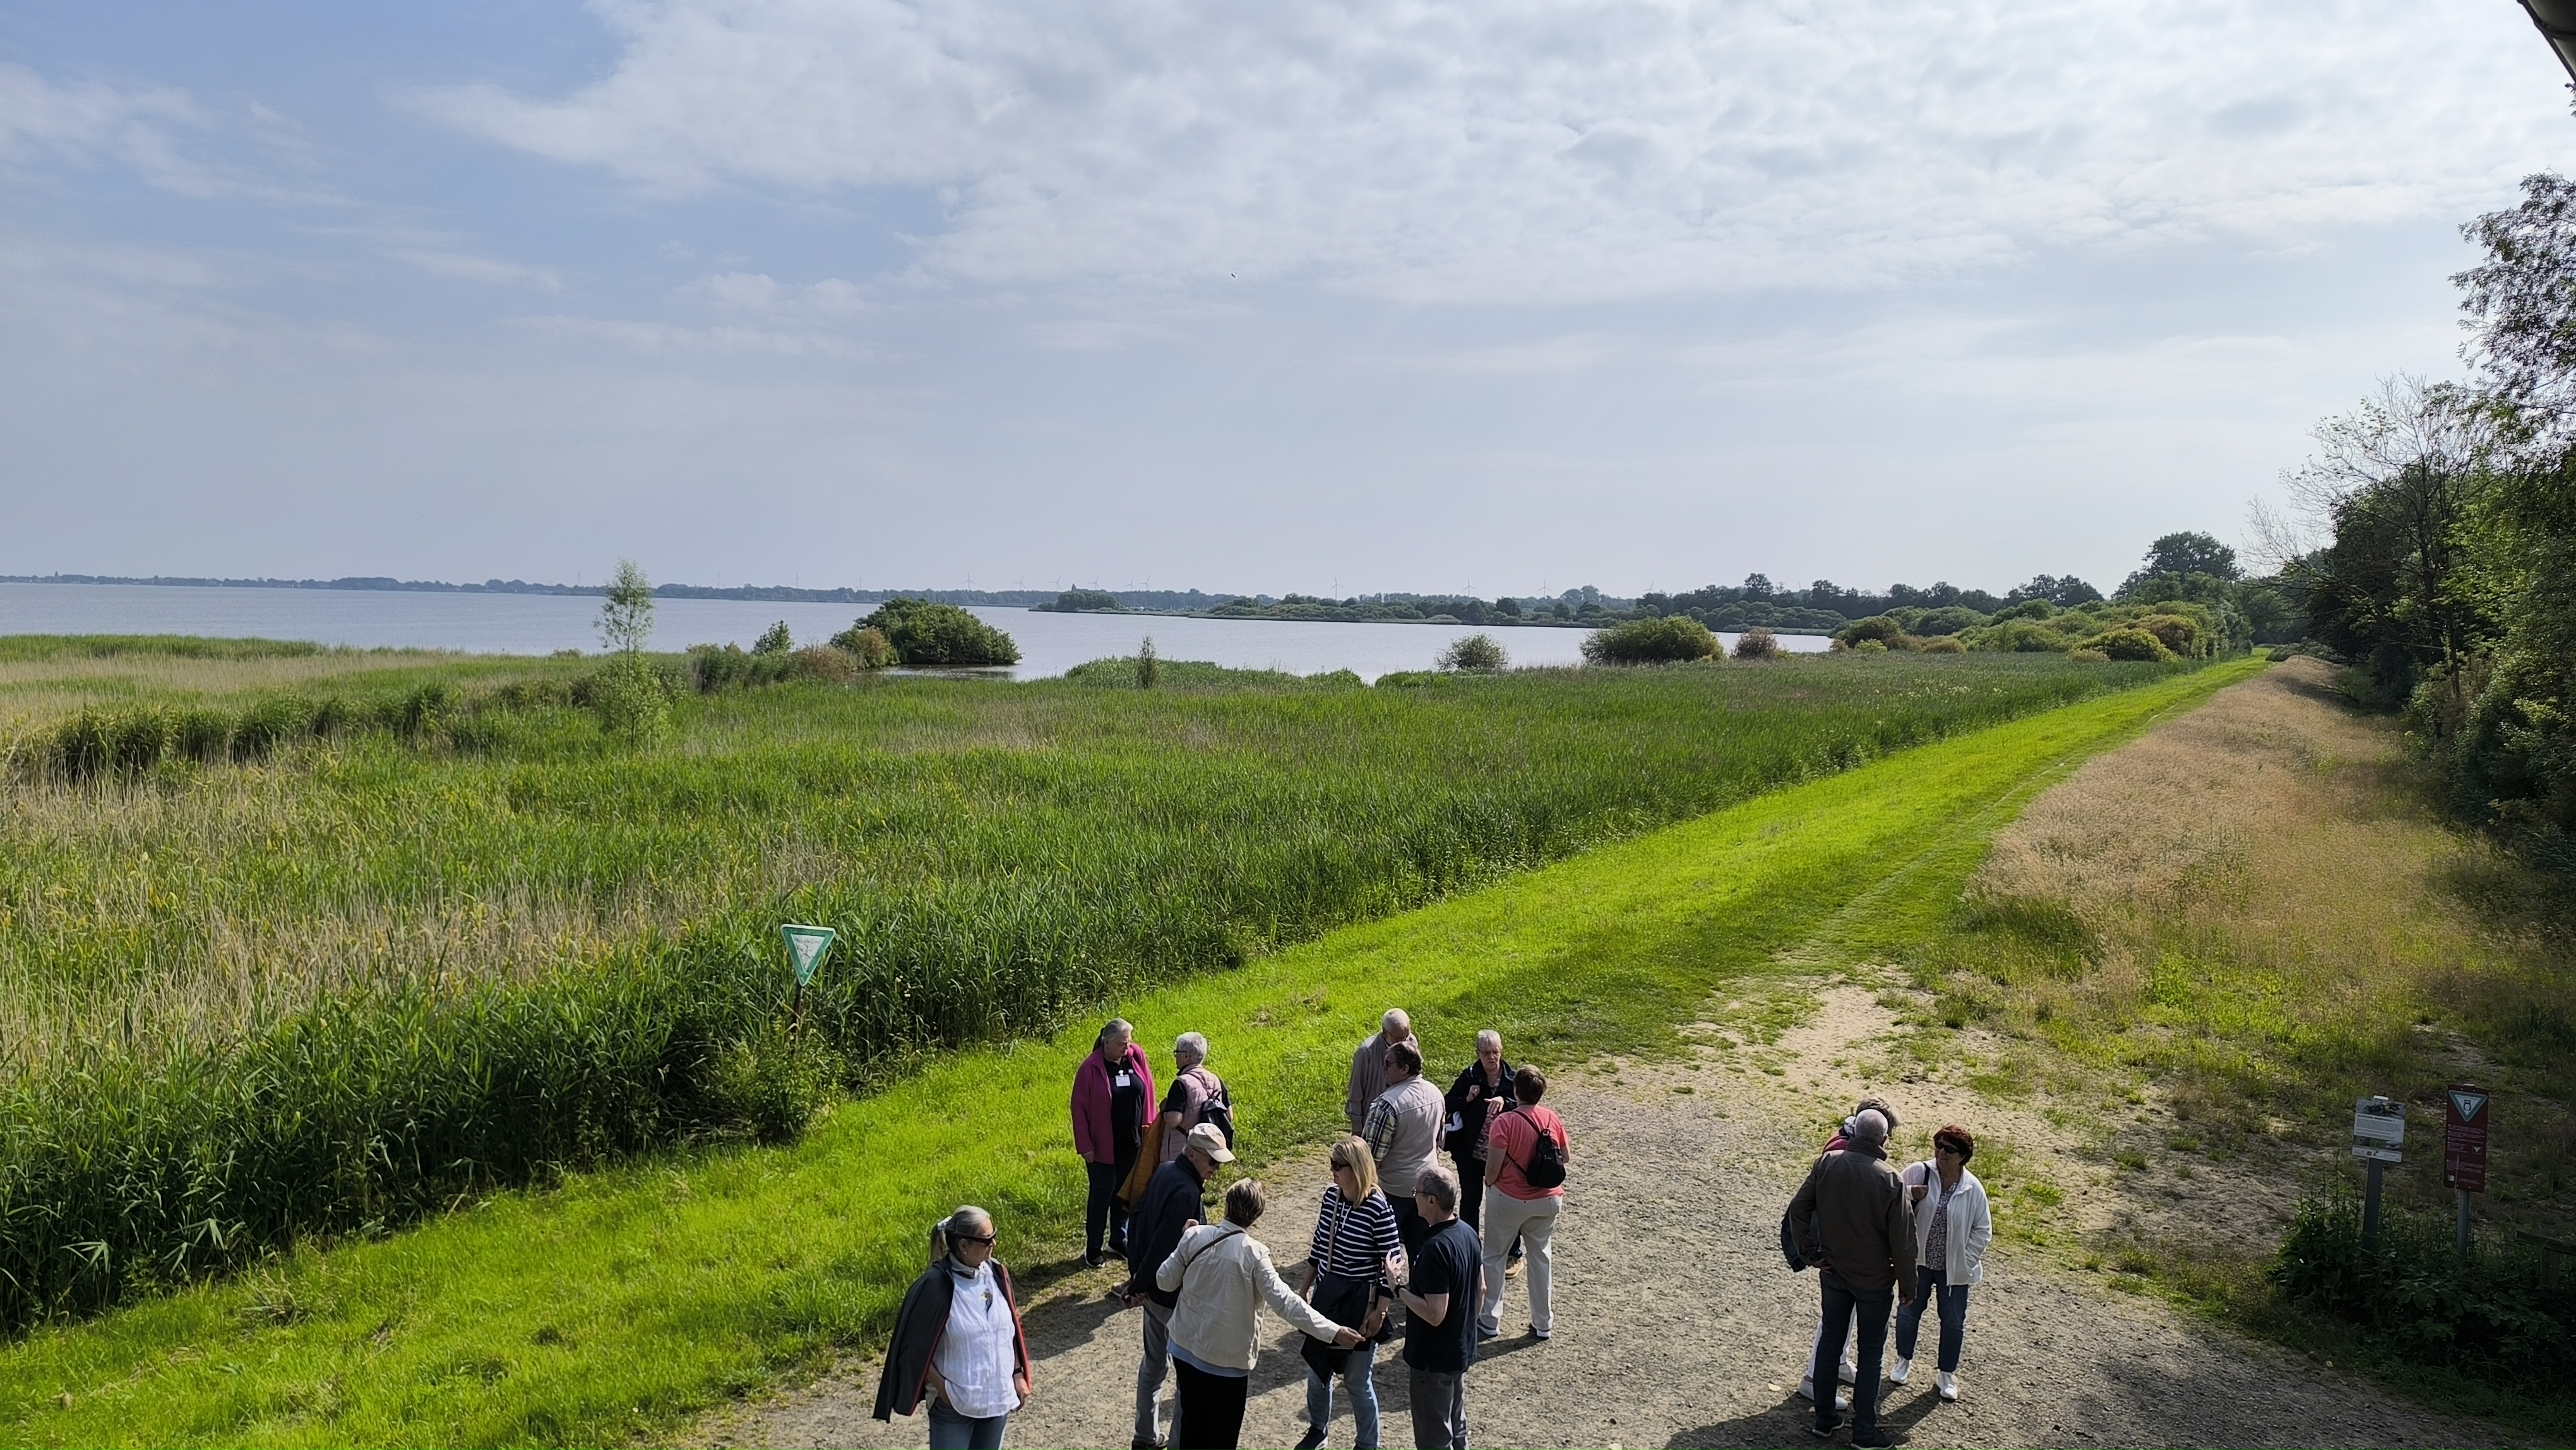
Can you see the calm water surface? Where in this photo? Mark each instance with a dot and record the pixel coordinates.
(1049, 644)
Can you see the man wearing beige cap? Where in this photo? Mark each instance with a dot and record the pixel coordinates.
(1174, 1198)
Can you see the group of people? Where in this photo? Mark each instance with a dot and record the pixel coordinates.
(1882, 1238)
(1403, 1247)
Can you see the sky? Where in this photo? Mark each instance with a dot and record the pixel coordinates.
(1494, 297)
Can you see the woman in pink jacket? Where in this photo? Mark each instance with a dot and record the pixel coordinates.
(1111, 1093)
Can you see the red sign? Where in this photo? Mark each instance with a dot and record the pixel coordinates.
(2464, 1138)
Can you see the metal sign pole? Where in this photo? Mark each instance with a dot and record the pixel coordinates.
(2378, 1136)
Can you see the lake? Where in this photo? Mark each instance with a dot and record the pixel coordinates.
(1049, 644)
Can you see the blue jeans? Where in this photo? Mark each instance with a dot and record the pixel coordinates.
(1952, 1305)
(1362, 1381)
(950, 1430)
(1842, 1301)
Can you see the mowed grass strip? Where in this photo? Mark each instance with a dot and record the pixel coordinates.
(619, 1304)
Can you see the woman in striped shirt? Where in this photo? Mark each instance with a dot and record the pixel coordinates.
(1346, 1281)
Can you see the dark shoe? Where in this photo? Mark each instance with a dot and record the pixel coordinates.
(1823, 1432)
(1091, 1259)
(1313, 1439)
(1871, 1439)
(1144, 1445)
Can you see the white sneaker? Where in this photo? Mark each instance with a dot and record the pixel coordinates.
(1903, 1368)
(1949, 1384)
(1851, 1371)
(1807, 1392)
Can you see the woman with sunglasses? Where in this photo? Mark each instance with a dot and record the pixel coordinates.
(1346, 1281)
(957, 1340)
(1951, 1230)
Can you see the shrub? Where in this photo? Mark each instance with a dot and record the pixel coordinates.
(1870, 647)
(822, 662)
(1148, 664)
(1947, 644)
(1758, 643)
(2027, 609)
(2089, 656)
(775, 640)
(1945, 621)
(632, 701)
(1879, 627)
(940, 635)
(868, 646)
(2126, 643)
(2018, 636)
(1475, 654)
(1650, 642)
(2174, 632)
(2414, 1300)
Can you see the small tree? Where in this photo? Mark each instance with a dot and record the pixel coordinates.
(630, 696)
(1477, 654)
(1757, 643)
(775, 640)
(626, 617)
(1148, 665)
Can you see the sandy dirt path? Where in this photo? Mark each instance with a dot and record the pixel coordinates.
(1677, 1323)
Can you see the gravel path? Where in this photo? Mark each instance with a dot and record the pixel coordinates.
(1678, 1325)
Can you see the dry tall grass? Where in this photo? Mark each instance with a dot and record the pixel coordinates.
(2253, 912)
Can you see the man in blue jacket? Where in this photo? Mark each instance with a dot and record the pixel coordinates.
(1175, 1196)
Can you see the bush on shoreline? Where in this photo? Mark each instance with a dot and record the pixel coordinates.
(1670, 640)
(940, 636)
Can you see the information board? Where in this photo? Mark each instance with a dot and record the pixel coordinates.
(2464, 1138)
(2378, 1130)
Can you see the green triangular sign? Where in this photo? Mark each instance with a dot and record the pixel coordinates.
(805, 947)
(2467, 1103)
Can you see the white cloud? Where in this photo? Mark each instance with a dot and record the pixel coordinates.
(1515, 150)
(663, 337)
(832, 299)
(467, 267)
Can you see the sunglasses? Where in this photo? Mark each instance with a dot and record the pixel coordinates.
(1950, 1150)
(974, 1238)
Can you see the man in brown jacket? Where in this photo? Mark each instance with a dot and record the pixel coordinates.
(1852, 1222)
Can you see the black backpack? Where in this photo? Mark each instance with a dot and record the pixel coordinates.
(1219, 1110)
(1546, 1167)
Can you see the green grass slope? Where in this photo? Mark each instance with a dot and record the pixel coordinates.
(621, 1302)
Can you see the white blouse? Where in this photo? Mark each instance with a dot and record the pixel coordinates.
(975, 1357)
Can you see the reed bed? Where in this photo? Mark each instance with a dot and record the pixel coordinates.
(338, 986)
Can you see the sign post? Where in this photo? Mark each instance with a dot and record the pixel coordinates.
(2464, 1149)
(806, 948)
(2378, 1132)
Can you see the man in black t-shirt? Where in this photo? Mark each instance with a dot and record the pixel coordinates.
(1440, 1295)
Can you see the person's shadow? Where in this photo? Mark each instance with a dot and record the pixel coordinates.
(1787, 1422)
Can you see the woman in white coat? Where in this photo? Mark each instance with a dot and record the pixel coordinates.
(1223, 1276)
(1951, 1230)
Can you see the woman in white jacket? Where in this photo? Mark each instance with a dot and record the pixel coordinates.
(1223, 1274)
(1951, 1230)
